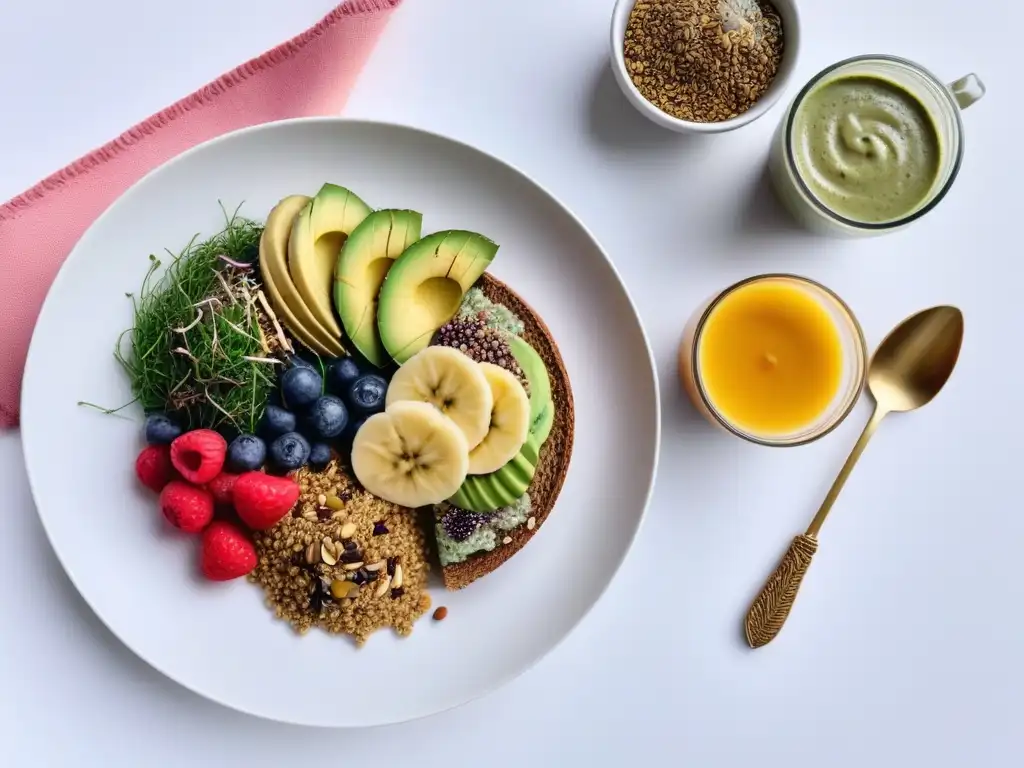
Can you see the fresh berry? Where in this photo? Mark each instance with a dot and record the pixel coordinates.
(366, 394)
(319, 457)
(300, 386)
(325, 419)
(276, 421)
(289, 451)
(223, 487)
(246, 453)
(226, 553)
(154, 468)
(460, 524)
(261, 500)
(186, 507)
(341, 374)
(161, 429)
(199, 455)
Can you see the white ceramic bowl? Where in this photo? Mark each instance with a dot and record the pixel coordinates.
(791, 30)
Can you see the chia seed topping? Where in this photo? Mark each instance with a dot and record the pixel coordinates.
(480, 342)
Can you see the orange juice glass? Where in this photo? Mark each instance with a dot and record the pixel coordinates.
(776, 359)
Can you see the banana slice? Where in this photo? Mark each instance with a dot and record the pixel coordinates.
(510, 422)
(411, 455)
(450, 381)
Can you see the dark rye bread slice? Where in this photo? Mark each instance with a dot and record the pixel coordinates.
(555, 454)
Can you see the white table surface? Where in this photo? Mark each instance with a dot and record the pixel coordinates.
(905, 645)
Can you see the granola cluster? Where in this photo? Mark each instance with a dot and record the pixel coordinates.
(344, 560)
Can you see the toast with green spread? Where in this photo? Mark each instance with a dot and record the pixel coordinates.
(493, 516)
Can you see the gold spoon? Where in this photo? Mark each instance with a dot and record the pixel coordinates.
(908, 369)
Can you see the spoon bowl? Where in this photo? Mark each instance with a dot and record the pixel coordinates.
(916, 359)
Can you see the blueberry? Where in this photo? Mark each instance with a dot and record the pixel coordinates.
(246, 453)
(276, 421)
(300, 386)
(366, 394)
(341, 374)
(161, 429)
(289, 451)
(319, 457)
(326, 418)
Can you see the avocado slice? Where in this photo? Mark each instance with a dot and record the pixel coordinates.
(468, 497)
(489, 494)
(316, 239)
(483, 493)
(486, 493)
(424, 287)
(516, 476)
(541, 426)
(531, 452)
(365, 259)
(536, 375)
(542, 409)
(284, 297)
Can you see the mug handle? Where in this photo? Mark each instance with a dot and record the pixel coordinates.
(967, 90)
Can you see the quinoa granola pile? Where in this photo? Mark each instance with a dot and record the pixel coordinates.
(344, 560)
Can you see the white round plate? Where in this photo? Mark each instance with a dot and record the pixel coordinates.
(219, 640)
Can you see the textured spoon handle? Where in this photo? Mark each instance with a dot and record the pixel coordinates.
(771, 608)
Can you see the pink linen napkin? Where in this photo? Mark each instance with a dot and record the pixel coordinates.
(311, 74)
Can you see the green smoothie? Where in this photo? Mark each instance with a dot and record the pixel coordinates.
(866, 148)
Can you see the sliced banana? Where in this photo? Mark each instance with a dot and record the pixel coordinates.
(510, 422)
(411, 455)
(450, 381)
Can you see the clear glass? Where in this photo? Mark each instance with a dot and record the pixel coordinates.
(943, 102)
(855, 360)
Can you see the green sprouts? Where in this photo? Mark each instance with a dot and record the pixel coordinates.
(196, 348)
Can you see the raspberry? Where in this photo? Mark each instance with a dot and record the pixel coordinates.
(261, 500)
(222, 487)
(153, 467)
(186, 507)
(199, 455)
(226, 552)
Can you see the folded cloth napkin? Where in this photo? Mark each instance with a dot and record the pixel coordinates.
(311, 74)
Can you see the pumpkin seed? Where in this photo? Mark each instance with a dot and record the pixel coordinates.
(327, 553)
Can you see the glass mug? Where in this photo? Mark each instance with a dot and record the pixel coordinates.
(943, 104)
